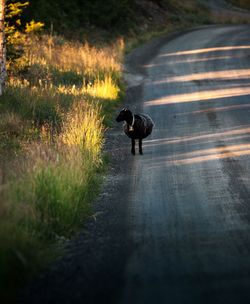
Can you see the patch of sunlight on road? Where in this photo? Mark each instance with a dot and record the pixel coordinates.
(193, 60)
(199, 96)
(213, 75)
(216, 150)
(218, 109)
(207, 50)
(204, 158)
(199, 137)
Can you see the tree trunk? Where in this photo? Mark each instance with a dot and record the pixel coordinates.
(2, 48)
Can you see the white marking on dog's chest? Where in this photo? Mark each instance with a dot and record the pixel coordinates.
(131, 127)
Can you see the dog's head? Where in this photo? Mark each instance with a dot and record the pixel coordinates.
(125, 114)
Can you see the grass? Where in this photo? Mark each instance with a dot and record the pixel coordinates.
(61, 179)
(53, 116)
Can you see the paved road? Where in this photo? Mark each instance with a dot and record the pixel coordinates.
(189, 195)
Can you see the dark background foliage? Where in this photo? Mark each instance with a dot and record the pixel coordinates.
(68, 15)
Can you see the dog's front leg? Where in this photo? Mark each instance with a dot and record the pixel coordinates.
(140, 146)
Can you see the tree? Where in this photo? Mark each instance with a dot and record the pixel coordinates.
(3, 73)
(14, 35)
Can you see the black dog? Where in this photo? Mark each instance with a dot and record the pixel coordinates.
(137, 126)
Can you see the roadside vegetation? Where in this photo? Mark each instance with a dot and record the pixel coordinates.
(57, 103)
(241, 3)
(53, 115)
(64, 84)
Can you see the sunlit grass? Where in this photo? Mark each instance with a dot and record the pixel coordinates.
(58, 180)
(104, 89)
(81, 59)
(83, 128)
(100, 89)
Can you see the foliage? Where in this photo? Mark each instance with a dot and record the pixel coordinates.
(68, 15)
(17, 32)
(241, 3)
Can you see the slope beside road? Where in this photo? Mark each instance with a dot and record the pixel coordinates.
(223, 11)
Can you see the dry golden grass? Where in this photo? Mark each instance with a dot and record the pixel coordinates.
(83, 128)
(79, 58)
(101, 89)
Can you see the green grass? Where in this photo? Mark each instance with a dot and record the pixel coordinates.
(21, 256)
(57, 196)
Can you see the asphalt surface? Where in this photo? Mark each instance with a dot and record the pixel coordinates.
(173, 225)
(190, 193)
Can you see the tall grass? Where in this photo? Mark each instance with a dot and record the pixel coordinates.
(61, 177)
(60, 56)
(53, 115)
